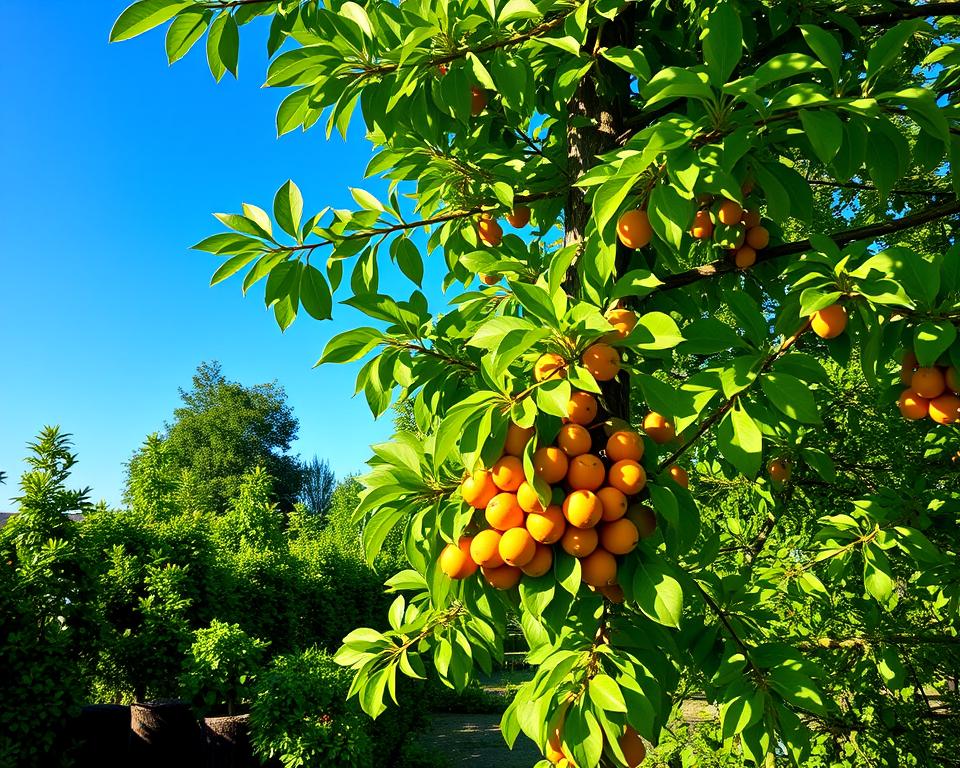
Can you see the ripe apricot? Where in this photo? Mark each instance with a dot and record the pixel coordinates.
(614, 503)
(907, 366)
(623, 321)
(928, 382)
(485, 549)
(503, 512)
(830, 322)
(554, 750)
(582, 509)
(751, 219)
(550, 463)
(579, 542)
(504, 577)
(478, 100)
(548, 526)
(632, 747)
(455, 560)
(945, 409)
(489, 279)
(633, 229)
(574, 440)
(517, 547)
(779, 470)
(540, 563)
(527, 498)
(586, 472)
(519, 217)
(598, 569)
(952, 378)
(550, 366)
(644, 518)
(729, 213)
(619, 537)
(758, 237)
(627, 476)
(489, 232)
(581, 408)
(625, 444)
(912, 406)
(679, 475)
(478, 489)
(745, 257)
(702, 228)
(659, 428)
(602, 361)
(507, 473)
(517, 439)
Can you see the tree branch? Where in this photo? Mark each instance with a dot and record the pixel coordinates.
(911, 12)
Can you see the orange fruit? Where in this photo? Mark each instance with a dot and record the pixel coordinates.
(830, 322)
(908, 366)
(729, 213)
(613, 593)
(644, 518)
(614, 503)
(632, 747)
(751, 219)
(540, 563)
(619, 537)
(517, 439)
(548, 526)
(745, 257)
(912, 406)
(581, 408)
(574, 440)
(478, 100)
(550, 366)
(489, 232)
(623, 321)
(602, 361)
(478, 489)
(455, 560)
(507, 473)
(758, 237)
(485, 549)
(928, 382)
(945, 409)
(553, 752)
(550, 463)
(583, 509)
(633, 229)
(504, 577)
(527, 498)
(659, 428)
(503, 512)
(625, 444)
(952, 378)
(702, 228)
(519, 216)
(517, 547)
(579, 542)
(489, 279)
(679, 475)
(779, 471)
(598, 569)
(586, 472)
(627, 476)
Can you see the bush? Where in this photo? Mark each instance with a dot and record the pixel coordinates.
(222, 665)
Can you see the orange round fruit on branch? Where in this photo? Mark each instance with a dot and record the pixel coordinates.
(745, 257)
(517, 439)
(912, 406)
(613, 593)
(627, 476)
(758, 238)
(829, 322)
(478, 100)
(550, 366)
(586, 472)
(507, 473)
(623, 321)
(598, 569)
(702, 228)
(527, 498)
(582, 509)
(751, 219)
(907, 366)
(679, 475)
(779, 470)
(540, 563)
(952, 378)
(644, 518)
(519, 216)
(504, 577)
(550, 463)
(455, 560)
(503, 512)
(602, 361)
(928, 382)
(579, 542)
(574, 440)
(632, 747)
(633, 229)
(625, 444)
(489, 232)
(478, 489)
(581, 408)
(517, 547)
(489, 279)
(619, 537)
(485, 549)
(945, 409)
(729, 212)
(614, 503)
(548, 526)
(659, 428)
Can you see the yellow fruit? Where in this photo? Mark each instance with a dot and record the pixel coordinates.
(527, 498)
(830, 322)
(478, 489)
(758, 237)
(586, 472)
(750, 220)
(598, 569)
(745, 257)
(952, 378)
(550, 463)
(779, 471)
(659, 428)
(579, 542)
(679, 476)
(614, 503)
(548, 526)
(489, 232)
(519, 217)
(623, 322)
(550, 366)
(485, 549)
(912, 406)
(633, 229)
(517, 547)
(945, 409)
(627, 476)
(928, 382)
(517, 439)
(583, 509)
(574, 440)
(619, 537)
(702, 228)
(455, 560)
(581, 408)
(602, 361)
(729, 213)
(503, 512)
(632, 746)
(504, 577)
(624, 445)
(540, 563)
(489, 279)
(507, 473)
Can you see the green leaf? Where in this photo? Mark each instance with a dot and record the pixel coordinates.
(824, 131)
(409, 260)
(877, 573)
(722, 41)
(231, 266)
(183, 33)
(145, 15)
(630, 60)
(288, 208)
(931, 339)
(739, 713)
(825, 46)
(315, 293)
(791, 396)
(350, 345)
(887, 49)
(661, 330)
(605, 693)
(740, 441)
(669, 210)
(657, 593)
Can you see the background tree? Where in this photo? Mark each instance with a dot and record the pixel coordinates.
(318, 484)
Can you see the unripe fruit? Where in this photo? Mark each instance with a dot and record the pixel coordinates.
(507, 473)
(952, 378)
(517, 439)
(586, 472)
(751, 219)
(779, 471)
(503, 512)
(541, 563)
(758, 237)
(504, 577)
(478, 100)
(644, 518)
(579, 542)
(632, 747)
(598, 569)
(745, 257)
(928, 382)
(517, 547)
(574, 440)
(582, 509)
(908, 366)
(625, 444)
(527, 498)
(602, 361)
(489, 232)
(550, 366)
(830, 322)
(945, 409)
(659, 428)
(627, 476)
(623, 321)
(730, 237)
(729, 213)
(912, 406)
(582, 408)
(614, 503)
(619, 537)
(702, 228)
(519, 216)
(485, 549)
(633, 229)
(548, 526)
(551, 464)
(455, 560)
(489, 279)
(478, 489)
(679, 476)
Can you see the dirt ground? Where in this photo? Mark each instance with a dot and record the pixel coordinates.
(476, 740)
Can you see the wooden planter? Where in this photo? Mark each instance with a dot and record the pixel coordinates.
(164, 734)
(226, 742)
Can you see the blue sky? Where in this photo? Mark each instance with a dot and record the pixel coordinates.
(112, 164)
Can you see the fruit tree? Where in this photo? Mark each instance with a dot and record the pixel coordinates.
(672, 232)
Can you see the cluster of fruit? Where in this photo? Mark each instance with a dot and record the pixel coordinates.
(490, 233)
(631, 745)
(932, 391)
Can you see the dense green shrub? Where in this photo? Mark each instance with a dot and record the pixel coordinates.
(221, 666)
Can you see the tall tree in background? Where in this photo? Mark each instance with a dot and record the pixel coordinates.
(318, 484)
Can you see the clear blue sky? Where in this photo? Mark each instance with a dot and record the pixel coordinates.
(111, 165)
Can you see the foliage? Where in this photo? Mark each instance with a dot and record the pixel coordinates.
(319, 483)
(222, 665)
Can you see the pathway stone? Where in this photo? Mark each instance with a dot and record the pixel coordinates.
(476, 740)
